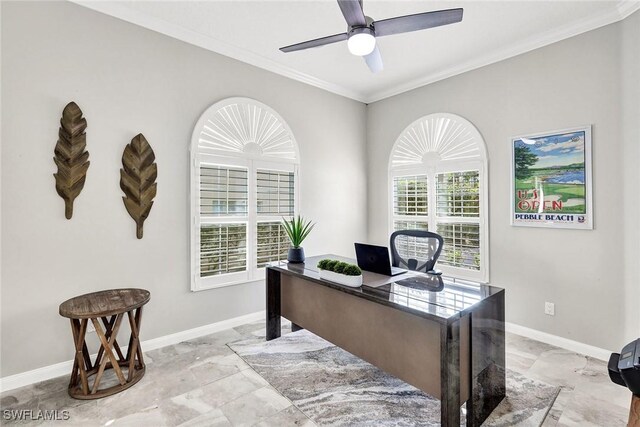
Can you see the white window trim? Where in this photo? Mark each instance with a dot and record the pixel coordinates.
(252, 163)
(431, 169)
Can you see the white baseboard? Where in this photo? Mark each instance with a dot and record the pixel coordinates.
(567, 344)
(36, 375)
(201, 331)
(64, 368)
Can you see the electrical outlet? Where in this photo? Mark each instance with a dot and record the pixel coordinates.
(550, 308)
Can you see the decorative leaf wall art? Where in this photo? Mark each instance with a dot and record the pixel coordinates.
(137, 180)
(70, 156)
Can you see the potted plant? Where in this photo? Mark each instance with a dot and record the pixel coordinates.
(340, 272)
(297, 229)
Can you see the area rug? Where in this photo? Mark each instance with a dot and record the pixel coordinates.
(333, 387)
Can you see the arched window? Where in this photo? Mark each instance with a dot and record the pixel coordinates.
(244, 179)
(438, 181)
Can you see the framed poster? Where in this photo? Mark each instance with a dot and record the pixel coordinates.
(551, 179)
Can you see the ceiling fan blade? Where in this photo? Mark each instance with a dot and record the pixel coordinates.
(419, 21)
(315, 42)
(374, 60)
(352, 11)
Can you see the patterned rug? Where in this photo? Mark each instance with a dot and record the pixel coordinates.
(334, 387)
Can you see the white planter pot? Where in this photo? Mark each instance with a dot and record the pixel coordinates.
(343, 279)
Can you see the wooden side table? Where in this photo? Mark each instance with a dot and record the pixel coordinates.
(108, 307)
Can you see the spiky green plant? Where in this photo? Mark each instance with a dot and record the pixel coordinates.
(297, 229)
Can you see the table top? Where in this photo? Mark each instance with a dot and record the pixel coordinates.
(104, 303)
(440, 298)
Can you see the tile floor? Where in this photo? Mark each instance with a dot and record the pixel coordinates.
(203, 383)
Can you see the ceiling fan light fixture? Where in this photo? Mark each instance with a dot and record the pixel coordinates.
(362, 31)
(361, 41)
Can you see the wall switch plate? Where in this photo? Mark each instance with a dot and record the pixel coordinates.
(550, 308)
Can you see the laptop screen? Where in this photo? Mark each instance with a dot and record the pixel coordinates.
(373, 258)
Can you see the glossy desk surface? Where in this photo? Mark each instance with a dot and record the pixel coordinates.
(439, 298)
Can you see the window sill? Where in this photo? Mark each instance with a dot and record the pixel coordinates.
(463, 274)
(197, 287)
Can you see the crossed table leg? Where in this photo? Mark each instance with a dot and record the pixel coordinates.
(109, 356)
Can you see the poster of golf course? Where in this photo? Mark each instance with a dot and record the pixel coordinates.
(551, 179)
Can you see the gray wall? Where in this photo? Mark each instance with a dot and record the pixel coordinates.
(128, 80)
(630, 28)
(567, 84)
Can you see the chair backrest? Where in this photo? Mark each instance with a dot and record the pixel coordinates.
(416, 250)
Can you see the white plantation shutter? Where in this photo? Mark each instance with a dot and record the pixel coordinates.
(410, 195)
(223, 248)
(410, 202)
(223, 191)
(275, 199)
(461, 245)
(454, 205)
(438, 182)
(411, 212)
(273, 243)
(458, 218)
(244, 175)
(458, 195)
(223, 205)
(410, 225)
(275, 192)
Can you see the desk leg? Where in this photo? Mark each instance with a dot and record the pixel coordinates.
(273, 304)
(450, 374)
(488, 373)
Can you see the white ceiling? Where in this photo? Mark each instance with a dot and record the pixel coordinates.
(252, 31)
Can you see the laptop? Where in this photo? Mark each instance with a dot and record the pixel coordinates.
(376, 259)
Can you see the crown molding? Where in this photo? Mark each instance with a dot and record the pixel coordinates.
(117, 10)
(626, 8)
(622, 10)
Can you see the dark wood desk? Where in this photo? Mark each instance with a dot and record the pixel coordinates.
(445, 338)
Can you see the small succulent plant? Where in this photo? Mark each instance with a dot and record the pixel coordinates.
(339, 267)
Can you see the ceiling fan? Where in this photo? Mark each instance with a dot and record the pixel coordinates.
(362, 31)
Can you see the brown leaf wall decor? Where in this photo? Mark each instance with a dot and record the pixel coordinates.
(137, 180)
(70, 156)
